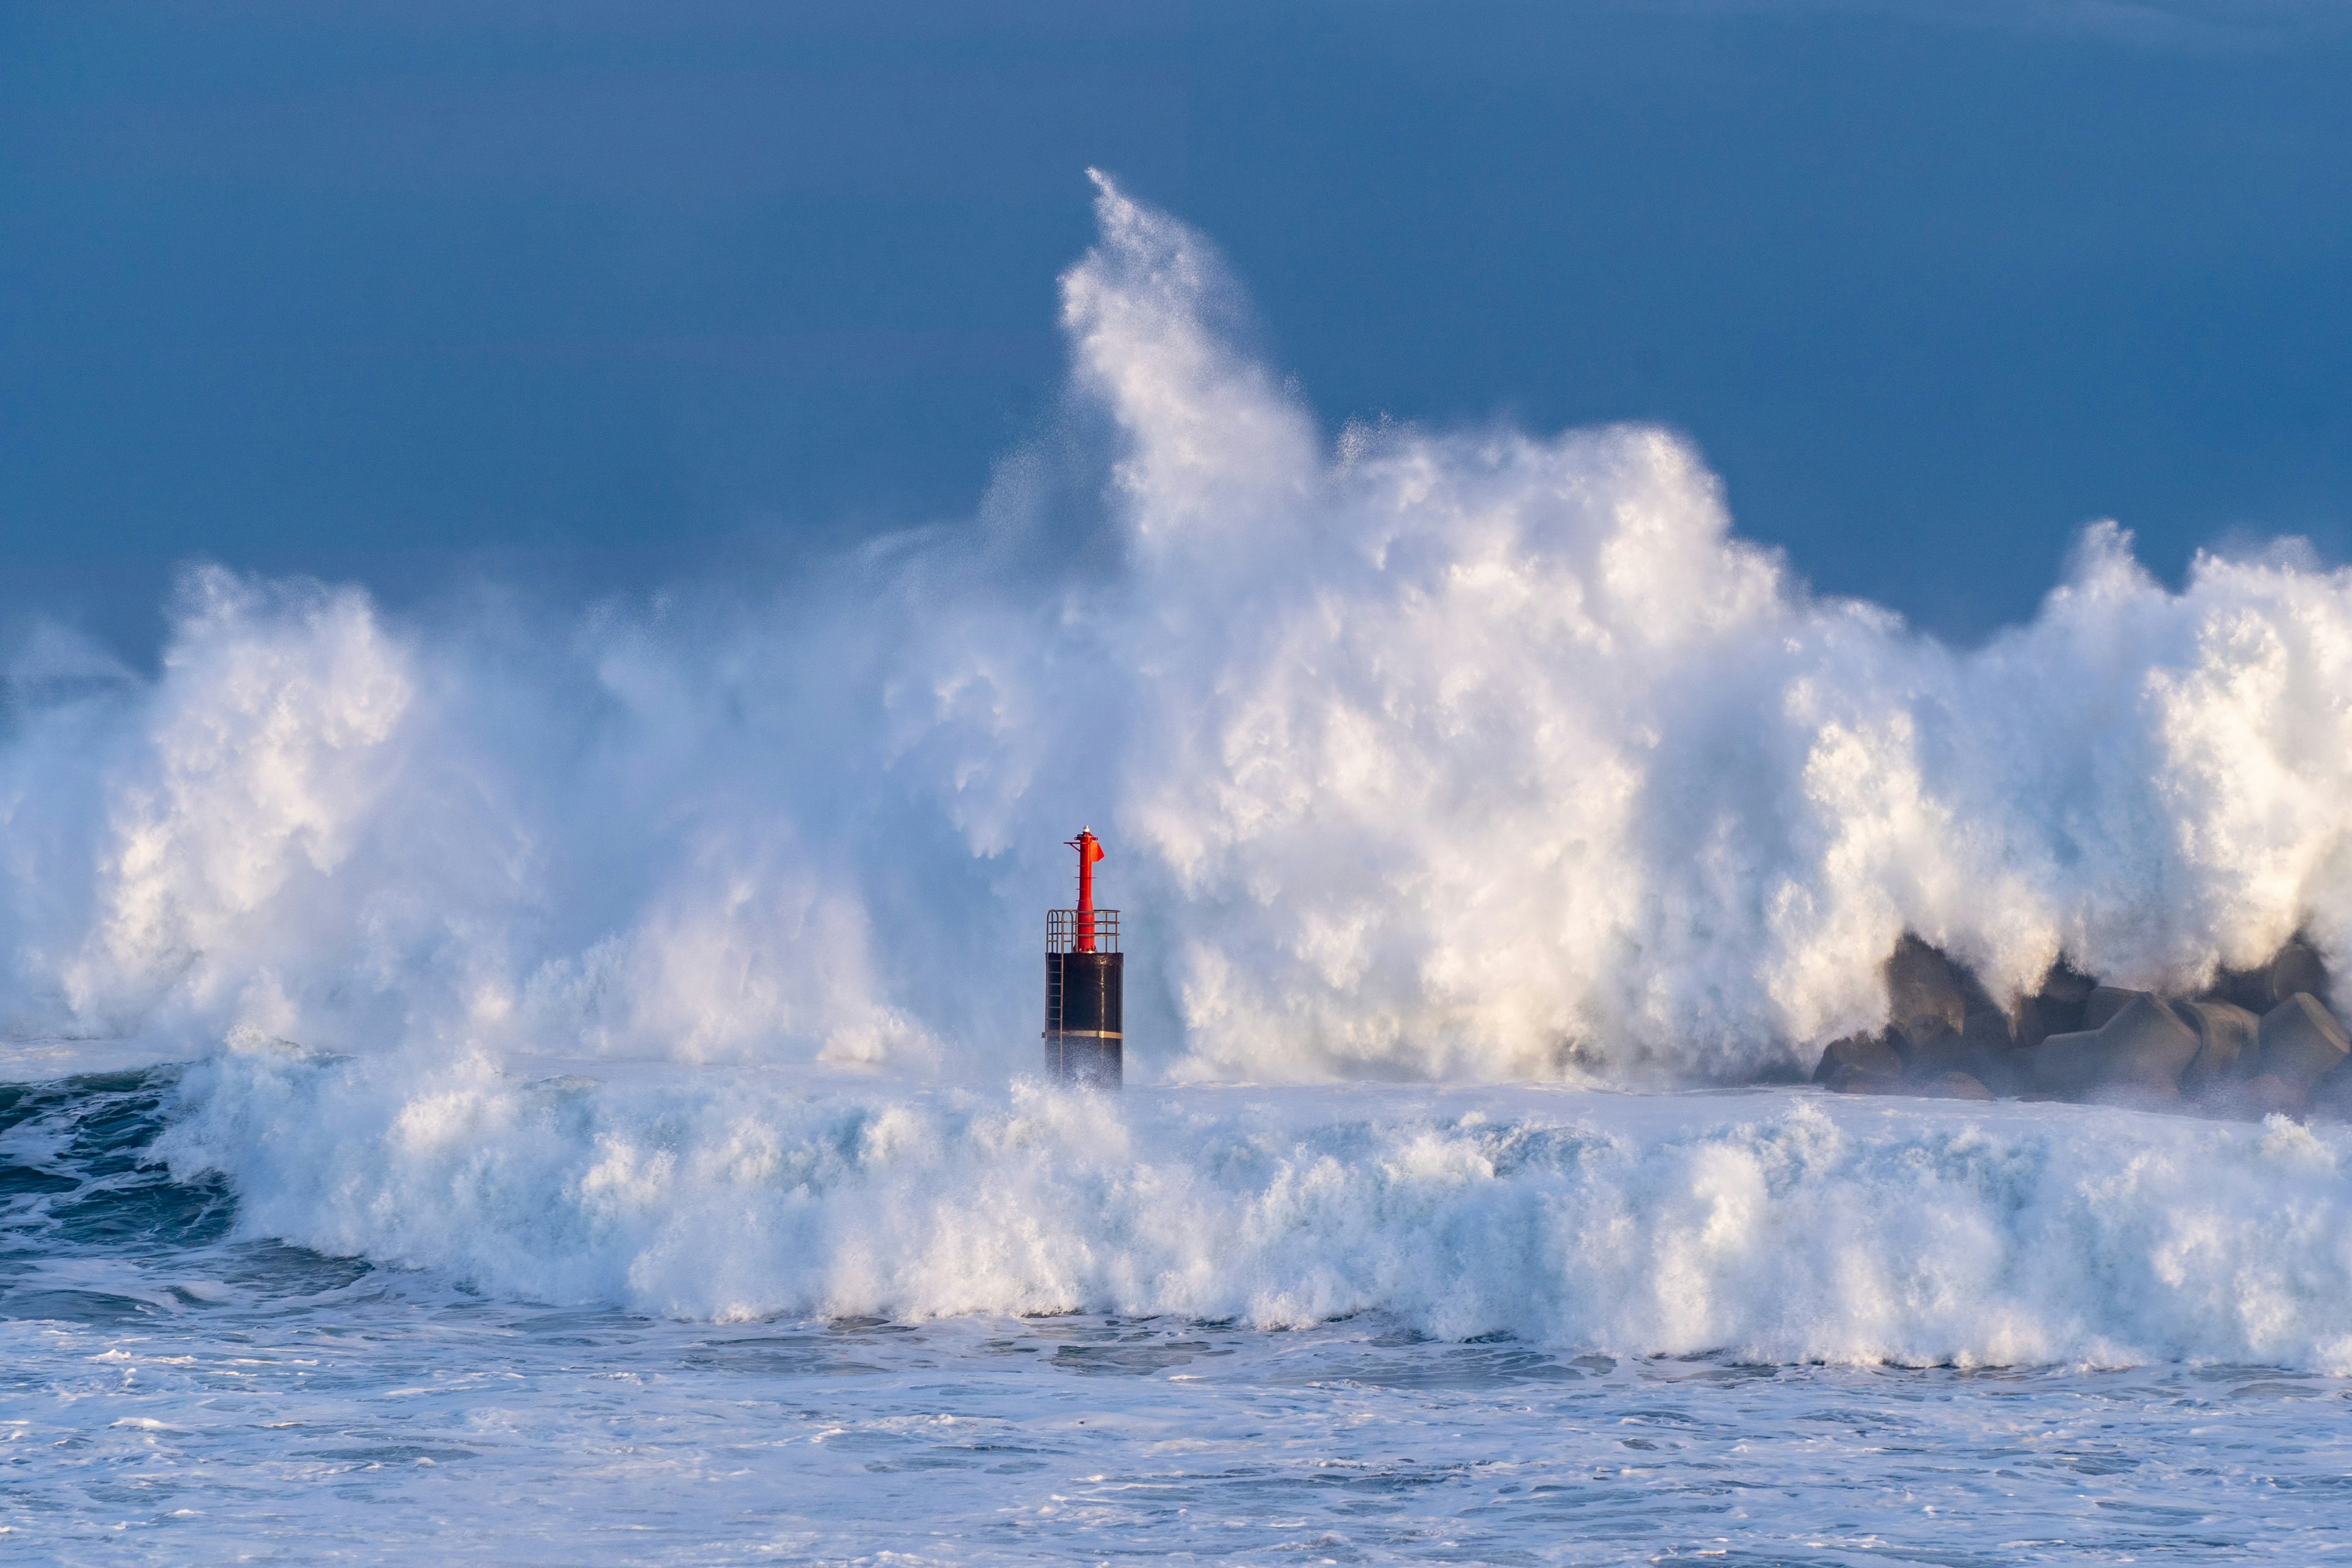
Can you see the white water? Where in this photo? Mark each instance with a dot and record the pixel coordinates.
(1783, 1225)
(1470, 755)
(378, 1422)
(596, 981)
(1250, 1373)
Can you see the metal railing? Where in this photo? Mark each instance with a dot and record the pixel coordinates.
(1062, 931)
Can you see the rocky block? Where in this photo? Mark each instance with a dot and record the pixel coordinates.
(2300, 1042)
(2064, 1066)
(2296, 966)
(1921, 983)
(1991, 1030)
(1992, 1059)
(1851, 1079)
(2074, 1039)
(2056, 1008)
(2137, 1055)
(1981, 1050)
(1866, 1053)
(1917, 1039)
(2225, 1044)
(1952, 1086)
(2247, 989)
(2104, 1002)
(2147, 1045)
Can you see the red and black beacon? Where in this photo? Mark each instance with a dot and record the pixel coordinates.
(1082, 982)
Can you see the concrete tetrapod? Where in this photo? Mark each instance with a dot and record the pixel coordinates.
(1952, 1086)
(2301, 1042)
(2076, 1039)
(2225, 1044)
(2298, 1046)
(1921, 983)
(2135, 1058)
(2064, 1066)
(2146, 1048)
(1980, 1051)
(1863, 1053)
(2296, 967)
(2104, 1002)
(2056, 1008)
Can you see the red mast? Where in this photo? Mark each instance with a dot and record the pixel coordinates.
(1090, 851)
(1084, 1042)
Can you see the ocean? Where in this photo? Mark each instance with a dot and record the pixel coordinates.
(545, 1083)
(275, 1308)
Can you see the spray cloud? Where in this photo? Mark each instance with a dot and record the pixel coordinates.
(1461, 754)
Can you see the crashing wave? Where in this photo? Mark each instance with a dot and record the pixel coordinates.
(1434, 754)
(1767, 1226)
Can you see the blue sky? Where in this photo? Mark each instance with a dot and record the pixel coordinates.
(596, 295)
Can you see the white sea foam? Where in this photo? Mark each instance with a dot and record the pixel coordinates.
(1470, 754)
(1778, 1225)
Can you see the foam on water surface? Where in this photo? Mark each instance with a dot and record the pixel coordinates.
(181, 1387)
(1780, 1226)
(388, 1428)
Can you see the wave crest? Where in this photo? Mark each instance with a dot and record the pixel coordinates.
(1770, 1225)
(1420, 753)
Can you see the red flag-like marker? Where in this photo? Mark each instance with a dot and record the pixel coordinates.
(1090, 851)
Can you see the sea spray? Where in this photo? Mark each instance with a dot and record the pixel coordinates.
(1469, 754)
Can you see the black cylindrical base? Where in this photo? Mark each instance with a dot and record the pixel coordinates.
(1076, 1059)
(1083, 1008)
